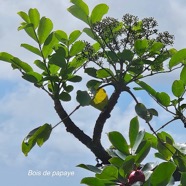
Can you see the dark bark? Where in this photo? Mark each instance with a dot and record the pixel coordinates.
(104, 115)
(97, 149)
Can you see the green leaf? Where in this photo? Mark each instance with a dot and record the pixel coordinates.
(116, 161)
(92, 181)
(64, 96)
(110, 172)
(183, 75)
(152, 139)
(178, 88)
(74, 78)
(80, 10)
(162, 174)
(38, 135)
(104, 73)
(61, 36)
(4, 56)
(49, 44)
(156, 47)
(76, 48)
(44, 29)
(74, 36)
(91, 72)
(98, 12)
(17, 63)
(133, 130)
(141, 46)
(90, 168)
(119, 142)
(40, 64)
(126, 55)
(177, 58)
(58, 58)
(139, 139)
(93, 84)
(128, 164)
(33, 77)
(141, 111)
(83, 98)
(142, 151)
(163, 98)
(153, 112)
(24, 16)
(29, 29)
(147, 88)
(183, 178)
(166, 150)
(180, 161)
(32, 49)
(89, 32)
(34, 17)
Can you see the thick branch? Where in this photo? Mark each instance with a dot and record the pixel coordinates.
(104, 115)
(97, 149)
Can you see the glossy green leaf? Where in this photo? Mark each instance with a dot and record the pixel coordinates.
(74, 36)
(89, 32)
(162, 174)
(178, 88)
(68, 88)
(58, 58)
(152, 139)
(91, 72)
(147, 87)
(32, 49)
(128, 164)
(163, 98)
(153, 112)
(119, 142)
(183, 75)
(104, 73)
(61, 36)
(116, 161)
(38, 135)
(24, 16)
(156, 47)
(76, 48)
(40, 64)
(166, 150)
(142, 151)
(98, 12)
(183, 178)
(32, 77)
(80, 10)
(177, 58)
(141, 46)
(6, 57)
(92, 181)
(126, 55)
(49, 44)
(90, 168)
(141, 111)
(133, 130)
(110, 172)
(138, 140)
(180, 161)
(83, 98)
(74, 78)
(44, 29)
(29, 29)
(34, 17)
(17, 63)
(64, 96)
(93, 84)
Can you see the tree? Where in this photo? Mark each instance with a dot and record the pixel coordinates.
(119, 55)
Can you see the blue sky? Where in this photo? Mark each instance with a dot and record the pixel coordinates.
(23, 107)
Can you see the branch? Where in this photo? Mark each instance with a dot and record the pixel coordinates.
(104, 115)
(97, 149)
